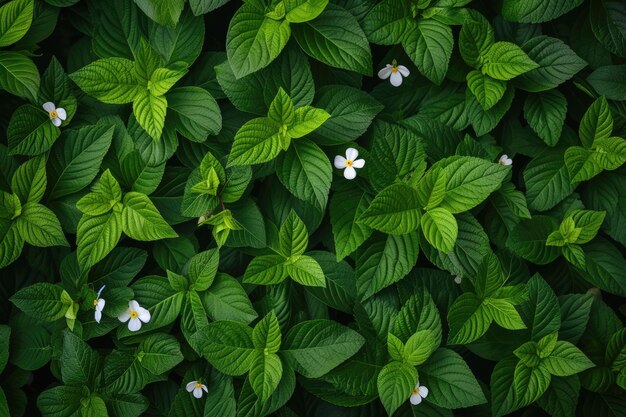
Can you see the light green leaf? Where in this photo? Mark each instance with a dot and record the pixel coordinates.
(468, 319)
(505, 61)
(41, 301)
(536, 11)
(18, 75)
(39, 226)
(142, 221)
(227, 300)
(293, 236)
(96, 236)
(395, 382)
(159, 353)
(194, 112)
(348, 233)
(257, 141)
(306, 271)
(440, 229)
(30, 131)
(266, 270)
(110, 80)
(395, 210)
(265, 374)
(306, 120)
(488, 91)
(227, 345)
(597, 123)
(15, 19)
(150, 111)
(299, 11)
(164, 12)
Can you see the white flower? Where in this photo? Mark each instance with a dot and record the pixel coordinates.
(349, 163)
(394, 72)
(505, 160)
(98, 304)
(136, 314)
(56, 115)
(458, 279)
(197, 388)
(418, 393)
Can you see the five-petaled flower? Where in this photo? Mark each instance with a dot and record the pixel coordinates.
(134, 316)
(196, 387)
(505, 160)
(394, 72)
(418, 393)
(56, 115)
(98, 305)
(349, 163)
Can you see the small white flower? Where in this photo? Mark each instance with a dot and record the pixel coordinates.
(197, 388)
(458, 279)
(56, 115)
(394, 72)
(418, 393)
(134, 316)
(349, 163)
(98, 305)
(505, 160)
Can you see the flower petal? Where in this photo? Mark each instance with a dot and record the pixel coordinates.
(197, 392)
(415, 399)
(340, 162)
(57, 122)
(349, 173)
(384, 73)
(124, 317)
(396, 79)
(97, 316)
(134, 325)
(403, 70)
(100, 305)
(61, 113)
(423, 391)
(48, 106)
(190, 386)
(205, 388)
(359, 163)
(133, 305)
(351, 154)
(144, 315)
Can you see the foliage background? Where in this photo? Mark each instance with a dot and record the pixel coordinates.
(194, 175)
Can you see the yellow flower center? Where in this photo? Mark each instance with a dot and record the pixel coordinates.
(95, 302)
(394, 69)
(415, 391)
(198, 385)
(54, 114)
(349, 162)
(134, 314)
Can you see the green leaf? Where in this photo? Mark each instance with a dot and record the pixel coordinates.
(110, 80)
(541, 313)
(384, 261)
(41, 301)
(450, 382)
(605, 267)
(265, 374)
(96, 236)
(607, 21)
(440, 229)
(15, 19)
(504, 313)
(257, 141)
(254, 40)
(537, 11)
(227, 345)
(557, 64)
(306, 271)
(475, 39)
(315, 347)
(5, 331)
(159, 353)
(299, 11)
(306, 120)
(164, 12)
(202, 269)
(488, 91)
(420, 346)
(395, 382)
(469, 182)
(61, 401)
(347, 49)
(150, 112)
(30, 131)
(565, 360)
(582, 164)
(348, 233)
(306, 172)
(39, 226)
(29, 181)
(266, 270)
(266, 334)
(505, 61)
(227, 300)
(429, 45)
(547, 181)
(75, 161)
(609, 81)
(545, 113)
(528, 240)
(597, 123)
(388, 22)
(194, 113)
(80, 365)
(163, 79)
(468, 319)
(142, 221)
(293, 236)
(395, 210)
(18, 75)
(11, 243)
